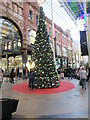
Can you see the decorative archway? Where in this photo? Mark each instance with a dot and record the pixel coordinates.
(10, 37)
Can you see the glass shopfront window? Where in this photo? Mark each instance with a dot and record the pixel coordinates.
(9, 45)
(5, 46)
(15, 62)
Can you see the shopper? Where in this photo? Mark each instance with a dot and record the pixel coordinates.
(18, 72)
(69, 72)
(24, 73)
(88, 74)
(62, 73)
(1, 77)
(87, 69)
(12, 76)
(83, 77)
(31, 76)
(78, 74)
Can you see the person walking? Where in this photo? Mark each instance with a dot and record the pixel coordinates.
(88, 72)
(18, 72)
(83, 77)
(69, 72)
(31, 76)
(12, 76)
(24, 73)
(1, 77)
(78, 73)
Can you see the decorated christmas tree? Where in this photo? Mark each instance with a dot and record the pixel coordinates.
(46, 76)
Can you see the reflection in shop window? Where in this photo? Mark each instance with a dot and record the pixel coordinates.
(19, 43)
(5, 46)
(9, 45)
(14, 44)
(32, 36)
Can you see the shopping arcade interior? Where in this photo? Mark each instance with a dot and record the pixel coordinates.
(6, 46)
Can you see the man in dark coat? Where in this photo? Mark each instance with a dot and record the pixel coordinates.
(69, 72)
(12, 75)
(31, 76)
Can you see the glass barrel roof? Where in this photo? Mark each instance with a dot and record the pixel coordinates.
(78, 7)
(66, 14)
(60, 15)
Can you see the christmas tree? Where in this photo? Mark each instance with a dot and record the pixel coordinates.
(46, 76)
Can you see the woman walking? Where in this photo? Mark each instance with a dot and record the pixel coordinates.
(83, 77)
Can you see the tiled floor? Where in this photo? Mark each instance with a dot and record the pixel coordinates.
(71, 104)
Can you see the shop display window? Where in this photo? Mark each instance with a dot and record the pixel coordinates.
(5, 46)
(9, 45)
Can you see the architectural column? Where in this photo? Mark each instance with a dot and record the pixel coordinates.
(61, 50)
(67, 49)
(53, 31)
(24, 57)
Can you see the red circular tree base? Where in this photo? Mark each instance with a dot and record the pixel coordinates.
(23, 88)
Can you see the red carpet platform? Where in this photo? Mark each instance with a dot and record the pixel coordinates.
(23, 88)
